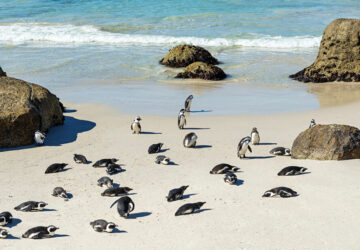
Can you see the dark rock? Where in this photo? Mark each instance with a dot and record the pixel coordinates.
(327, 142)
(339, 54)
(2, 73)
(25, 108)
(202, 71)
(183, 55)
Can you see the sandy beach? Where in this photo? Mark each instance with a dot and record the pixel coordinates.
(323, 216)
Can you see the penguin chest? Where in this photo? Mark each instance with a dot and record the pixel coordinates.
(243, 149)
(182, 121)
(255, 138)
(136, 128)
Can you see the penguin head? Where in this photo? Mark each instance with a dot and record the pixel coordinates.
(254, 130)
(41, 205)
(302, 170)
(200, 204)
(267, 194)
(51, 229)
(182, 111)
(287, 151)
(137, 119)
(3, 233)
(64, 195)
(109, 183)
(2, 220)
(190, 97)
(113, 160)
(110, 227)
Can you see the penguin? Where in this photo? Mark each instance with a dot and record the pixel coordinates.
(255, 137)
(60, 192)
(188, 103)
(30, 206)
(181, 119)
(56, 167)
(135, 125)
(312, 123)
(5, 218)
(190, 140)
(113, 168)
(292, 170)
(223, 168)
(243, 146)
(280, 151)
(124, 206)
(103, 226)
(283, 192)
(116, 191)
(155, 148)
(104, 162)
(230, 178)
(189, 208)
(40, 232)
(162, 159)
(3, 233)
(105, 181)
(80, 159)
(39, 137)
(176, 193)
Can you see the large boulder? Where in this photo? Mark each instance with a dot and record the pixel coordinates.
(183, 55)
(327, 142)
(25, 108)
(202, 71)
(339, 54)
(2, 73)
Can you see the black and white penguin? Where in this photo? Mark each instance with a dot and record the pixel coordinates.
(162, 159)
(135, 125)
(312, 123)
(155, 148)
(243, 146)
(283, 192)
(105, 181)
(40, 232)
(124, 206)
(223, 168)
(3, 233)
(190, 140)
(181, 119)
(280, 151)
(39, 137)
(188, 103)
(116, 191)
(255, 137)
(113, 168)
(189, 208)
(176, 193)
(80, 159)
(30, 206)
(5, 218)
(104, 162)
(103, 226)
(292, 170)
(230, 178)
(60, 192)
(56, 167)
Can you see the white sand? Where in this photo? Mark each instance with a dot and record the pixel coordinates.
(324, 216)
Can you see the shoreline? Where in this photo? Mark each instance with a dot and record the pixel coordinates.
(234, 215)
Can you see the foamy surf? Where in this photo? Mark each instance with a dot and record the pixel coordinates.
(53, 34)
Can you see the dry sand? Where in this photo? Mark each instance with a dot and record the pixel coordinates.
(324, 216)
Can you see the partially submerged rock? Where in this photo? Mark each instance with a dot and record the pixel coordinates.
(327, 142)
(183, 55)
(2, 73)
(202, 71)
(339, 54)
(25, 108)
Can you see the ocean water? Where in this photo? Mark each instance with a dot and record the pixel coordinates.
(107, 51)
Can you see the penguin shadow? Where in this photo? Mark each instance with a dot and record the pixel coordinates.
(267, 143)
(117, 231)
(49, 210)
(150, 133)
(201, 210)
(239, 182)
(139, 215)
(12, 237)
(14, 222)
(70, 196)
(307, 172)
(118, 172)
(187, 196)
(195, 128)
(171, 163)
(70, 110)
(63, 170)
(259, 157)
(203, 146)
(164, 150)
(128, 194)
(200, 111)
(60, 235)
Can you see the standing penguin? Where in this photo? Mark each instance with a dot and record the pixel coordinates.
(124, 206)
(255, 137)
(60, 192)
(312, 123)
(5, 218)
(135, 125)
(39, 137)
(80, 159)
(181, 119)
(3, 233)
(40, 232)
(243, 146)
(188, 103)
(190, 140)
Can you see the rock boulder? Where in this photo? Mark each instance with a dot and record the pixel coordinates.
(202, 70)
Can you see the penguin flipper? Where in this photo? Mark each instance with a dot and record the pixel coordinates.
(249, 149)
(114, 202)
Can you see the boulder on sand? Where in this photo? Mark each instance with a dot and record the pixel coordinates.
(183, 55)
(339, 54)
(202, 71)
(327, 142)
(25, 108)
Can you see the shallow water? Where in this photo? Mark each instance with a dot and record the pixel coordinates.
(108, 51)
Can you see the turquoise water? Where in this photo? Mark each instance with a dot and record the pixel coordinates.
(108, 51)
